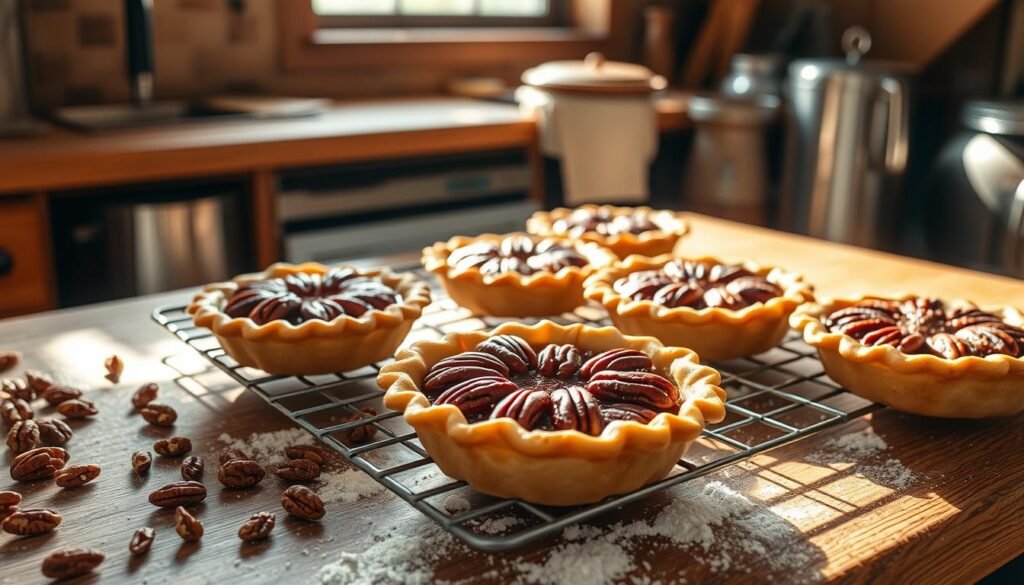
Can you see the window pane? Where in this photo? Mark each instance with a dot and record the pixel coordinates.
(354, 6)
(520, 8)
(436, 7)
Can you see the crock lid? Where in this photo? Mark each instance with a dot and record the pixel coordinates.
(594, 75)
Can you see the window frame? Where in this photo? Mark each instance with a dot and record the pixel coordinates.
(556, 16)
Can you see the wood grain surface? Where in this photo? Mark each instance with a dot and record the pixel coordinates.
(960, 518)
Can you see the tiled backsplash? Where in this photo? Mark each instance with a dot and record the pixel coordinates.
(202, 47)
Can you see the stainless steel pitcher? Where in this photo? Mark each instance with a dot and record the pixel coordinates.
(846, 147)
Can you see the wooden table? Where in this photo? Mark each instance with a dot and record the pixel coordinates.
(961, 519)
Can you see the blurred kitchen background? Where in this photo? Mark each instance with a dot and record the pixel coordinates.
(151, 145)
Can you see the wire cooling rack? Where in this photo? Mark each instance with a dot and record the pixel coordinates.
(774, 398)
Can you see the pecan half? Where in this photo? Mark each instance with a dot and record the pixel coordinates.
(364, 432)
(10, 499)
(476, 396)
(643, 285)
(192, 468)
(574, 408)
(301, 502)
(17, 388)
(888, 335)
(753, 289)
(54, 431)
(229, 454)
(313, 453)
(8, 360)
(159, 414)
(31, 521)
(77, 408)
(39, 381)
(619, 360)
(173, 447)
(720, 297)
(178, 493)
(54, 394)
(115, 367)
(627, 412)
(144, 395)
(726, 273)
(141, 462)
(6, 511)
(986, 340)
(188, 527)
(459, 368)
(961, 317)
(513, 351)
(526, 407)
(687, 270)
(14, 409)
(559, 361)
(73, 562)
(679, 294)
(298, 470)
(258, 527)
(38, 463)
(141, 540)
(77, 475)
(240, 473)
(644, 388)
(23, 436)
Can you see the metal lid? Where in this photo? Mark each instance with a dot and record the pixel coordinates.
(725, 109)
(856, 43)
(1003, 118)
(594, 74)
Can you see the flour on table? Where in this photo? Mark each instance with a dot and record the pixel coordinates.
(267, 448)
(501, 525)
(864, 449)
(455, 503)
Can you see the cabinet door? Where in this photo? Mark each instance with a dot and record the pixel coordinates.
(24, 260)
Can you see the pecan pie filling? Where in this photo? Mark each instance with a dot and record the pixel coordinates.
(685, 283)
(562, 387)
(516, 254)
(603, 222)
(298, 298)
(927, 326)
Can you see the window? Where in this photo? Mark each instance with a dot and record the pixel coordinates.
(412, 13)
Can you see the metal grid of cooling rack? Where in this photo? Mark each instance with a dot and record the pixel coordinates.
(774, 398)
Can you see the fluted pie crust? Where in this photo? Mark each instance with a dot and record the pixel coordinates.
(501, 458)
(714, 333)
(650, 243)
(313, 347)
(966, 387)
(511, 294)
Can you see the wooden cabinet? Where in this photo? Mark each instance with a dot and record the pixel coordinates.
(25, 273)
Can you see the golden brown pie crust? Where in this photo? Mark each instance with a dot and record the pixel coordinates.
(966, 387)
(652, 243)
(714, 333)
(501, 458)
(313, 347)
(511, 294)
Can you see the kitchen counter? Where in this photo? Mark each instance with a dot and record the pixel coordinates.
(955, 514)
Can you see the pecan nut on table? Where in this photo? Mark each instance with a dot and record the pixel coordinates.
(69, 563)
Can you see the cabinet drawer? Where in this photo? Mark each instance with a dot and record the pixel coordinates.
(24, 262)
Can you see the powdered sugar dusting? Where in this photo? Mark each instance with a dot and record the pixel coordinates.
(498, 525)
(347, 485)
(268, 447)
(865, 450)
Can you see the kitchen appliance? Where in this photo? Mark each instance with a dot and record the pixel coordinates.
(14, 97)
(754, 75)
(846, 147)
(597, 117)
(975, 213)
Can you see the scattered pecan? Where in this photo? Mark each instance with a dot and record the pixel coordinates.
(145, 394)
(574, 408)
(625, 411)
(58, 393)
(301, 502)
(77, 475)
(462, 367)
(23, 436)
(240, 473)
(141, 462)
(258, 526)
(38, 463)
(527, 407)
(17, 388)
(31, 522)
(142, 539)
(362, 433)
(559, 361)
(513, 351)
(192, 468)
(313, 453)
(73, 562)
(173, 447)
(8, 360)
(159, 414)
(476, 396)
(298, 470)
(229, 454)
(178, 493)
(115, 367)
(644, 388)
(39, 381)
(14, 409)
(54, 431)
(8, 498)
(77, 408)
(619, 360)
(188, 527)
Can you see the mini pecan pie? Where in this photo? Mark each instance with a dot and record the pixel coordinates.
(515, 275)
(311, 318)
(623, 230)
(553, 414)
(921, 355)
(720, 310)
